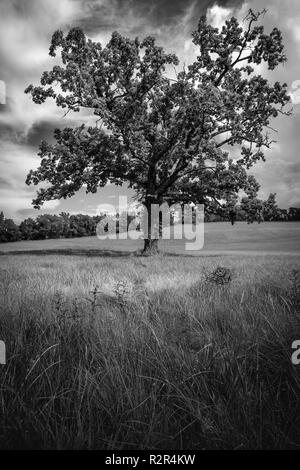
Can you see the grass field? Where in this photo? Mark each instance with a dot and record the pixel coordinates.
(269, 237)
(130, 352)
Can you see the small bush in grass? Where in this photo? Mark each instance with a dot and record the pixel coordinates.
(221, 275)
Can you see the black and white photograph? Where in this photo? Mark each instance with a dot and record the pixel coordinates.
(150, 228)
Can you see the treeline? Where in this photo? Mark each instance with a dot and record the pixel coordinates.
(65, 225)
(253, 209)
(48, 226)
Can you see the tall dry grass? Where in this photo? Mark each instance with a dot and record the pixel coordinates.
(142, 353)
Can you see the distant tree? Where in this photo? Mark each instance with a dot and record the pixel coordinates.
(50, 226)
(283, 215)
(43, 223)
(9, 231)
(77, 227)
(56, 227)
(88, 223)
(229, 210)
(294, 213)
(253, 209)
(270, 208)
(156, 133)
(65, 216)
(28, 229)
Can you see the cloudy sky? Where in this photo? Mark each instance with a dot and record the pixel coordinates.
(26, 27)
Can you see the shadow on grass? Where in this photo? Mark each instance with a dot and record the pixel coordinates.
(104, 253)
(71, 252)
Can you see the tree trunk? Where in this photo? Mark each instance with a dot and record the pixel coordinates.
(150, 246)
(151, 242)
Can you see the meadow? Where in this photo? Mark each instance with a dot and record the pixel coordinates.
(219, 237)
(112, 350)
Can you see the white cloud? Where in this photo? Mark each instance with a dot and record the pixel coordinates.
(295, 93)
(50, 205)
(294, 25)
(27, 28)
(216, 15)
(11, 203)
(15, 163)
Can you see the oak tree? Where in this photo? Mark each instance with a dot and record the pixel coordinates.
(170, 137)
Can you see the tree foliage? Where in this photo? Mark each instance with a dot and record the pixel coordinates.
(8, 229)
(252, 209)
(169, 138)
(64, 225)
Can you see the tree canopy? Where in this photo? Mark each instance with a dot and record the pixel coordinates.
(168, 136)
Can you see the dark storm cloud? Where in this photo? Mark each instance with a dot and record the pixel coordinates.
(11, 133)
(114, 14)
(43, 130)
